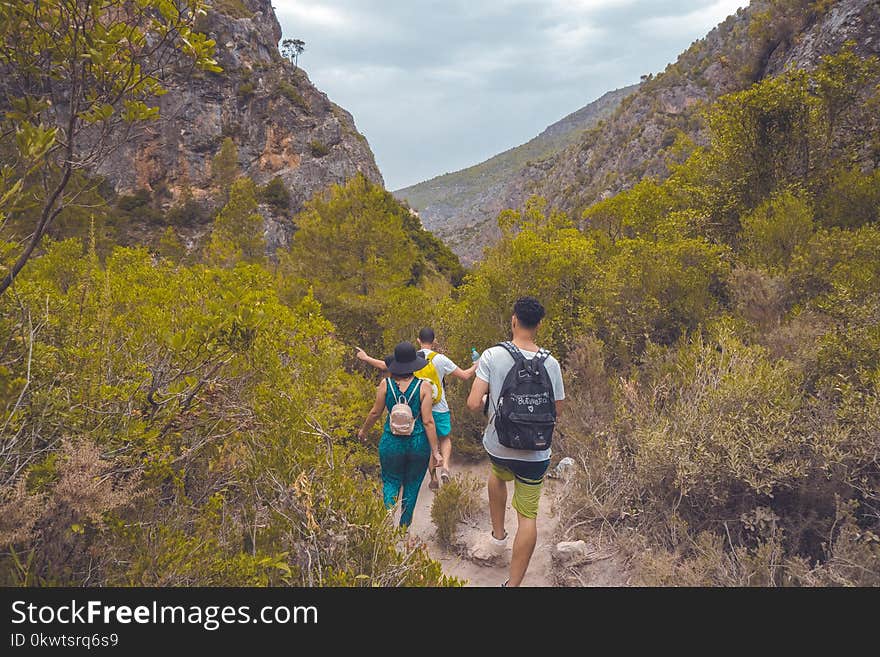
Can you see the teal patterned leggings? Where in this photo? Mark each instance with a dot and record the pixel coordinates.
(404, 463)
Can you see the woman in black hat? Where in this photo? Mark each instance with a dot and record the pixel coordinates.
(404, 459)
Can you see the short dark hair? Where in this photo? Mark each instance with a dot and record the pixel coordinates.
(426, 336)
(529, 312)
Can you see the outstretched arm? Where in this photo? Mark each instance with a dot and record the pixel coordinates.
(464, 375)
(375, 412)
(375, 362)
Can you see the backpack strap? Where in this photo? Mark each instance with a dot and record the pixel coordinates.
(399, 396)
(418, 387)
(513, 350)
(392, 390)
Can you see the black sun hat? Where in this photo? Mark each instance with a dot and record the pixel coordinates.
(406, 360)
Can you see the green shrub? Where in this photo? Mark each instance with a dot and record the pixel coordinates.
(291, 93)
(775, 229)
(180, 383)
(852, 200)
(726, 466)
(276, 194)
(455, 502)
(131, 202)
(232, 8)
(318, 148)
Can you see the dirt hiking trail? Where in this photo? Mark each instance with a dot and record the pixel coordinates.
(590, 564)
(456, 561)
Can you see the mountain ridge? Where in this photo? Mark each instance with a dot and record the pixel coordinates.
(652, 126)
(477, 193)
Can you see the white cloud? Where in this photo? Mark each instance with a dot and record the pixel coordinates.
(683, 24)
(312, 13)
(436, 86)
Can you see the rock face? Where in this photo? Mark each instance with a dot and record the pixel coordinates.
(461, 207)
(639, 135)
(281, 124)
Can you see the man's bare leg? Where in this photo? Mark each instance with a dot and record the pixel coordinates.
(497, 504)
(523, 546)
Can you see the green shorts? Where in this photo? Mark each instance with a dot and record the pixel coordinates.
(528, 480)
(443, 422)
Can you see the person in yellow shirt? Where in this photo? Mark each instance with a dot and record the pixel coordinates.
(438, 368)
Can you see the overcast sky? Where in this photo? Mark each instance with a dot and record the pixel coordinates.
(437, 86)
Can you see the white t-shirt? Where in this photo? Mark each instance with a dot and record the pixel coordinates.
(444, 367)
(494, 365)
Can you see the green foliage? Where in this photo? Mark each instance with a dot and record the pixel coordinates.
(233, 8)
(781, 133)
(275, 193)
(224, 167)
(657, 291)
(201, 455)
(852, 199)
(775, 229)
(455, 502)
(432, 249)
(838, 268)
(292, 94)
(238, 228)
(171, 247)
(540, 253)
(739, 445)
(187, 212)
(352, 247)
(318, 149)
(72, 68)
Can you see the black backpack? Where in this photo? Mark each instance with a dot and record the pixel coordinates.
(526, 413)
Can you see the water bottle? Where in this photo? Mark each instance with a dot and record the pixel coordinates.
(475, 355)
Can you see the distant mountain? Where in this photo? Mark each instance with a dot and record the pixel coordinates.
(461, 207)
(634, 133)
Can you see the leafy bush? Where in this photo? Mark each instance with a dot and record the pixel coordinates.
(276, 194)
(170, 434)
(852, 200)
(455, 502)
(233, 8)
(292, 94)
(775, 229)
(318, 148)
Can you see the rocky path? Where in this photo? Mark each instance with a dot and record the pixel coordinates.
(456, 561)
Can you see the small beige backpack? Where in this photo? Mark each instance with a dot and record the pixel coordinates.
(401, 418)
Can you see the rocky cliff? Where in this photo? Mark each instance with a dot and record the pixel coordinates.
(281, 124)
(637, 141)
(461, 207)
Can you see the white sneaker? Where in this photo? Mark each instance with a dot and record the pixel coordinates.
(489, 548)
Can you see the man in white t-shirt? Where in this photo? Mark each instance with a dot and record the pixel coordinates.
(526, 468)
(442, 367)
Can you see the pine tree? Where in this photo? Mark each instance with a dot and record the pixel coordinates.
(238, 233)
(224, 166)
